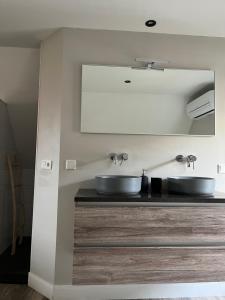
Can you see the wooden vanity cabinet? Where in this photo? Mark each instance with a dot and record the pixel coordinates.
(121, 245)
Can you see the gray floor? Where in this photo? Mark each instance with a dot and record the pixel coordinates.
(18, 292)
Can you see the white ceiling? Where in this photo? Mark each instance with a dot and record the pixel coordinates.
(24, 23)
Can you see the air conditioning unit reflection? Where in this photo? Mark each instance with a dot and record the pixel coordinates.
(201, 106)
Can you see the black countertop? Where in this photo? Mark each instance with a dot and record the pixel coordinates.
(90, 195)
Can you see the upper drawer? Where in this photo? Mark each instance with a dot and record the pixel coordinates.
(149, 225)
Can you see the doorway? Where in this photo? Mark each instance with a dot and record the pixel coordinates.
(18, 123)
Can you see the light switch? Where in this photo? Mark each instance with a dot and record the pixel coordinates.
(71, 164)
(221, 168)
(46, 164)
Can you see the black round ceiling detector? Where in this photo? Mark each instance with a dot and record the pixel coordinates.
(150, 23)
(127, 81)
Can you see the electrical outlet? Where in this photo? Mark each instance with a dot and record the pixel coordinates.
(71, 164)
(221, 168)
(46, 164)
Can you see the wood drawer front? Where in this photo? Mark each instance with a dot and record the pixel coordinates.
(121, 265)
(149, 225)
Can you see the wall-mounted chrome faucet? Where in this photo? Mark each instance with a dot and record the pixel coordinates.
(114, 157)
(189, 159)
(118, 157)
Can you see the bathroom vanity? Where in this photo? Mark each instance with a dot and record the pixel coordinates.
(148, 239)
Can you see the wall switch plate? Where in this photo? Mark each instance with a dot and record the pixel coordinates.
(71, 164)
(46, 164)
(221, 168)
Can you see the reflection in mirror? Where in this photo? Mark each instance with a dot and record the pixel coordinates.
(125, 100)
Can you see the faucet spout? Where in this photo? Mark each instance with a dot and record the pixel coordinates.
(114, 157)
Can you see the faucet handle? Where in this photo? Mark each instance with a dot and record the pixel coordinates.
(192, 158)
(124, 156)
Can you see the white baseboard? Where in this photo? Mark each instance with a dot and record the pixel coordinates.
(40, 285)
(138, 291)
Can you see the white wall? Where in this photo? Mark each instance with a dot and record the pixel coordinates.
(61, 84)
(7, 146)
(153, 152)
(45, 209)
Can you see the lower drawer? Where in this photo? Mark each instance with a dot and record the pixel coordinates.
(120, 265)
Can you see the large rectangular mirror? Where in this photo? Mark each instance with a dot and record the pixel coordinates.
(125, 100)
